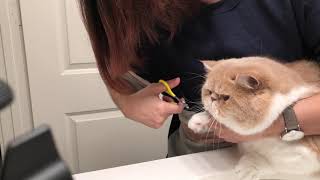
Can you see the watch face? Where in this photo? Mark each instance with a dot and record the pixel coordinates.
(293, 135)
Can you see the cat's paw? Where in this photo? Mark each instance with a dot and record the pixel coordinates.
(199, 123)
(250, 167)
(247, 173)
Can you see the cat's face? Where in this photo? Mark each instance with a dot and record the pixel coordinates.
(240, 93)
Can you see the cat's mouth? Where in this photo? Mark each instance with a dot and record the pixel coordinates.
(211, 109)
(212, 116)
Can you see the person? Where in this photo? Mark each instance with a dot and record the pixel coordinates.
(165, 39)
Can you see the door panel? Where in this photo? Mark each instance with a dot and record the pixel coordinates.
(68, 94)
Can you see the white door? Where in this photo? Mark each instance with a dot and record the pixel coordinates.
(68, 94)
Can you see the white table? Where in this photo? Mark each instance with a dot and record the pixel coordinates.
(214, 165)
(182, 167)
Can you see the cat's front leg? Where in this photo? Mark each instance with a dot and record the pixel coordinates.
(200, 122)
(252, 167)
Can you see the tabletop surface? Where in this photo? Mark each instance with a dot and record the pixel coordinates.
(213, 165)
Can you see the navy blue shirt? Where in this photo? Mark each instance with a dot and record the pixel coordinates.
(287, 30)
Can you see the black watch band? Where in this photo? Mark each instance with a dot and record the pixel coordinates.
(292, 129)
(290, 119)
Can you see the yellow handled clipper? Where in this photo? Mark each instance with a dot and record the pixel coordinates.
(170, 93)
(168, 89)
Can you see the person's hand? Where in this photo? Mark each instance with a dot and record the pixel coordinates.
(146, 107)
(230, 136)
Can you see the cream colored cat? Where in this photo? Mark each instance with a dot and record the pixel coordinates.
(247, 95)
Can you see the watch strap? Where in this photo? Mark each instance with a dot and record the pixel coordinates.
(290, 119)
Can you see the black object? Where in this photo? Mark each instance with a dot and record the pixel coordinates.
(5, 95)
(175, 99)
(5, 99)
(34, 157)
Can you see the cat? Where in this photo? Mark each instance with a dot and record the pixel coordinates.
(247, 95)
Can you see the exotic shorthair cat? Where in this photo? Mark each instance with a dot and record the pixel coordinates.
(247, 95)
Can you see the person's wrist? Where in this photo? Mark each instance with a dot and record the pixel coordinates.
(123, 104)
(298, 108)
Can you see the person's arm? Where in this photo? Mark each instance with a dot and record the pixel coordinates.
(308, 115)
(308, 19)
(145, 106)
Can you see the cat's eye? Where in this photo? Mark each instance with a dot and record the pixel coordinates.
(225, 97)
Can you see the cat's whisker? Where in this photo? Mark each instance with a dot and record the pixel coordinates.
(197, 89)
(214, 133)
(192, 78)
(196, 109)
(197, 75)
(194, 102)
(208, 132)
(219, 135)
(196, 106)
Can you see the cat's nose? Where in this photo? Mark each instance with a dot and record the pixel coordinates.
(213, 98)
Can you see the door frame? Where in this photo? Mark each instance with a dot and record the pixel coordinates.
(18, 117)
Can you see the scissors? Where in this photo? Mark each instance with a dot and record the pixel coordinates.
(139, 83)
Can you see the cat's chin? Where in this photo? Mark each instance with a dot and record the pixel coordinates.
(232, 124)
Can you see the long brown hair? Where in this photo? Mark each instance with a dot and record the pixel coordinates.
(117, 27)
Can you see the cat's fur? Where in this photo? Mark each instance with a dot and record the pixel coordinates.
(247, 95)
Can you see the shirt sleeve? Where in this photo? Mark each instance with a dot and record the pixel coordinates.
(308, 20)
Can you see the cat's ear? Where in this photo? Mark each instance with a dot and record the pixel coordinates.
(247, 81)
(208, 64)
